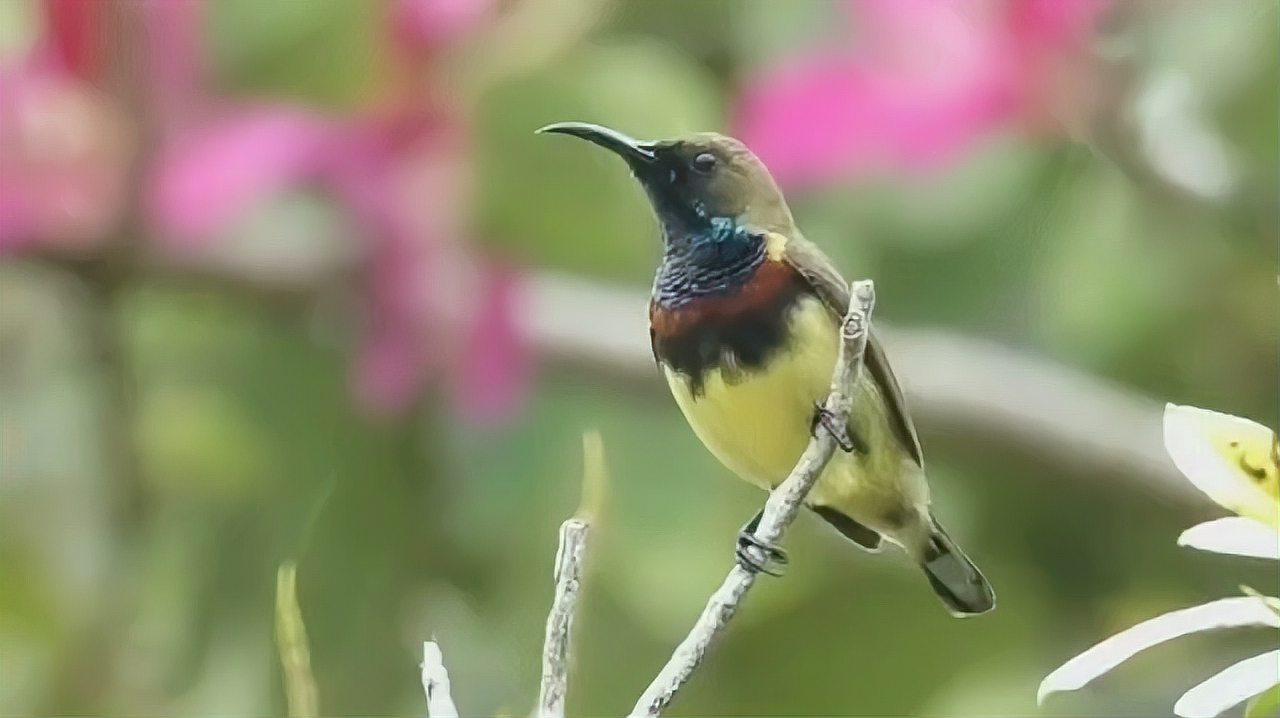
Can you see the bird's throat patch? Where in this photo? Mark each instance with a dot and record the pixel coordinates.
(736, 332)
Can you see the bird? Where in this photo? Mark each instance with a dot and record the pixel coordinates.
(744, 323)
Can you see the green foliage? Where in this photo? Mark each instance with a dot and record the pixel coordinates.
(1266, 705)
(319, 51)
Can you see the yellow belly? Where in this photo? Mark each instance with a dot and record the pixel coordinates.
(757, 424)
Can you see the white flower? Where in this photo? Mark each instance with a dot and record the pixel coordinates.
(1231, 687)
(1233, 535)
(1236, 462)
(1223, 613)
(1233, 460)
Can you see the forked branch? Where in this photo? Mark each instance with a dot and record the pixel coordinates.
(569, 565)
(780, 511)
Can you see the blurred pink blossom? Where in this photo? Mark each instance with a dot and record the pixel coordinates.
(371, 164)
(64, 151)
(170, 33)
(64, 144)
(429, 25)
(208, 175)
(399, 173)
(410, 238)
(74, 41)
(927, 79)
(493, 378)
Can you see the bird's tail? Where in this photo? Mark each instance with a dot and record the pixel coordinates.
(955, 579)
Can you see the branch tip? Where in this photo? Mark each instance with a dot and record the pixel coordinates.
(571, 554)
(435, 682)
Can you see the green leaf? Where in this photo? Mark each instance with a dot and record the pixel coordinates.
(962, 201)
(1265, 704)
(322, 51)
(291, 640)
(198, 441)
(1101, 279)
(18, 29)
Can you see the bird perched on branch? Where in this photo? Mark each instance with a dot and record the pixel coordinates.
(744, 321)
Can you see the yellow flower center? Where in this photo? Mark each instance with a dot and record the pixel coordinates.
(1259, 465)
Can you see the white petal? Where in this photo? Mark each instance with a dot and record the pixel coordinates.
(1232, 686)
(1200, 442)
(1223, 613)
(1234, 535)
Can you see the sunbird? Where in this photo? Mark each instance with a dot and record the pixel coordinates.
(744, 321)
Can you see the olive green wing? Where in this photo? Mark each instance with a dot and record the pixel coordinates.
(826, 282)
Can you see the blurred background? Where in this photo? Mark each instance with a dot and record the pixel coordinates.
(295, 280)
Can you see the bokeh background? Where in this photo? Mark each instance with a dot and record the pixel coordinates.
(295, 281)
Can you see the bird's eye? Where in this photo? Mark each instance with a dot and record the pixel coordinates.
(705, 163)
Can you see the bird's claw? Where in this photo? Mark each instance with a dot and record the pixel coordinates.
(757, 556)
(824, 416)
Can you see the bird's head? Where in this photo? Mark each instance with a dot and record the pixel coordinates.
(699, 185)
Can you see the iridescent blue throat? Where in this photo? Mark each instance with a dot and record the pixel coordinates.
(716, 258)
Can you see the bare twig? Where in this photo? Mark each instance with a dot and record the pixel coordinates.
(779, 511)
(435, 683)
(555, 651)
(570, 556)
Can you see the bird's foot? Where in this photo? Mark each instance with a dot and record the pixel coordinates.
(757, 556)
(823, 416)
(749, 553)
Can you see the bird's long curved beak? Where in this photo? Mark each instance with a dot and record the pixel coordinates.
(637, 154)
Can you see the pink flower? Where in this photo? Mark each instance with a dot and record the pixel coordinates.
(431, 309)
(928, 79)
(65, 143)
(492, 381)
(210, 174)
(64, 154)
(170, 33)
(74, 42)
(405, 255)
(401, 178)
(427, 25)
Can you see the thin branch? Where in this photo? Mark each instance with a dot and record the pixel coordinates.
(779, 511)
(555, 651)
(570, 557)
(435, 683)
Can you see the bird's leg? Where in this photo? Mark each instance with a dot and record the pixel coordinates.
(844, 438)
(749, 544)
